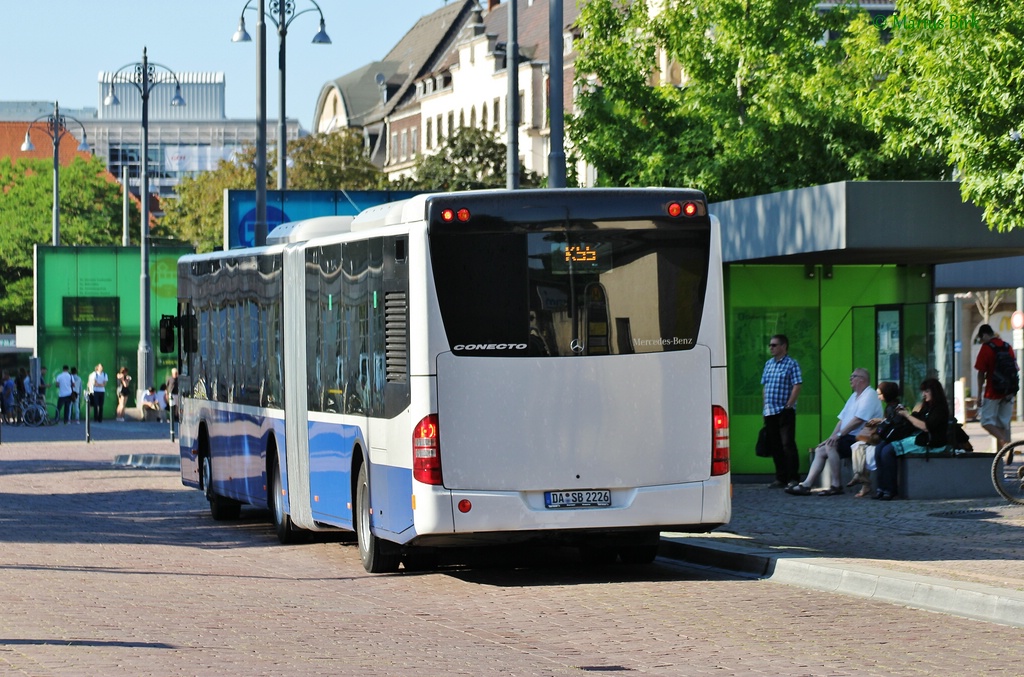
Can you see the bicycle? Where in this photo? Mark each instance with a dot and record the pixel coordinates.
(36, 413)
(1008, 472)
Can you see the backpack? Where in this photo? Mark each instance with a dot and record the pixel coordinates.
(1005, 379)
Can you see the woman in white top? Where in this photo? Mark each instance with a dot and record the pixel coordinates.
(97, 392)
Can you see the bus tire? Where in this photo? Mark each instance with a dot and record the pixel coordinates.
(378, 556)
(220, 508)
(286, 531)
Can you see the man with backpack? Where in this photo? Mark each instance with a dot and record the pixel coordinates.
(998, 381)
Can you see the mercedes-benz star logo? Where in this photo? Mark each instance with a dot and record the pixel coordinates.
(576, 346)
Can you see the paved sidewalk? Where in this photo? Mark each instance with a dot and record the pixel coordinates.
(964, 557)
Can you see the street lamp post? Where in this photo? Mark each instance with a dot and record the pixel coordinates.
(56, 128)
(285, 14)
(141, 76)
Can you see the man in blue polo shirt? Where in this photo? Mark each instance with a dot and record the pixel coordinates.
(781, 386)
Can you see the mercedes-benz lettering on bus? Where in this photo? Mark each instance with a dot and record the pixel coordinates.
(465, 368)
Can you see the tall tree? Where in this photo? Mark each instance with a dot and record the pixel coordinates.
(196, 215)
(959, 64)
(764, 104)
(469, 159)
(333, 161)
(90, 214)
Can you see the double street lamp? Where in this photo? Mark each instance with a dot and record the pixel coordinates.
(55, 128)
(142, 76)
(282, 13)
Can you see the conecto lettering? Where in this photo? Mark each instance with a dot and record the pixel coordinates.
(489, 346)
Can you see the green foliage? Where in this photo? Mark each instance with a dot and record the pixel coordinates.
(334, 161)
(765, 103)
(196, 215)
(963, 84)
(90, 214)
(469, 159)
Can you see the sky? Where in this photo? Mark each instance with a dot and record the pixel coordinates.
(54, 50)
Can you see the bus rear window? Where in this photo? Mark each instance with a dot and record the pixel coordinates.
(574, 291)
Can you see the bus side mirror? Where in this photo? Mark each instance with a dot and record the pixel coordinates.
(167, 323)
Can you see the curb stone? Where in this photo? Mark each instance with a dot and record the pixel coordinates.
(969, 600)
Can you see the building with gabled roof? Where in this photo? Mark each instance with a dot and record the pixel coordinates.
(449, 71)
(367, 96)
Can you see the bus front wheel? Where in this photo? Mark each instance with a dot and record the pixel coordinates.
(378, 556)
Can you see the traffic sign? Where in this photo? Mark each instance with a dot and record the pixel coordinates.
(1017, 319)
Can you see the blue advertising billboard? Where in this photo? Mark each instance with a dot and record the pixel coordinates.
(295, 205)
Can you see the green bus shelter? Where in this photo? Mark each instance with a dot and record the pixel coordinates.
(87, 309)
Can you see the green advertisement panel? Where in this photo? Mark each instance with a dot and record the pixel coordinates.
(87, 309)
(828, 313)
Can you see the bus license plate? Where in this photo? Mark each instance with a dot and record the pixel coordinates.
(580, 498)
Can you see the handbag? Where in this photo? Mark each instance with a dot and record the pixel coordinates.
(761, 448)
(870, 434)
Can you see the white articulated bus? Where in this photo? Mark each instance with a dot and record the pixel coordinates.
(465, 368)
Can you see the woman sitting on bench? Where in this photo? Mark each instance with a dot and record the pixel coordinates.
(931, 418)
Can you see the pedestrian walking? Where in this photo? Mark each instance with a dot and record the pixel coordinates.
(997, 384)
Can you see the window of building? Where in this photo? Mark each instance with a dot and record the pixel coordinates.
(427, 135)
(414, 141)
(497, 112)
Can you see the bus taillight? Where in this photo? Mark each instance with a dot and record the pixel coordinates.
(720, 441)
(676, 209)
(426, 451)
(448, 215)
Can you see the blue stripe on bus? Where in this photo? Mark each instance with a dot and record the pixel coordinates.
(330, 471)
(331, 448)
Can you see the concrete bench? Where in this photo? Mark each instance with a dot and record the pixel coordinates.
(937, 476)
(946, 476)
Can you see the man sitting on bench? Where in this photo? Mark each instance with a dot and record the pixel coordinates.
(150, 403)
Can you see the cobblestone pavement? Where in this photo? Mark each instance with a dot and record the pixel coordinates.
(121, 571)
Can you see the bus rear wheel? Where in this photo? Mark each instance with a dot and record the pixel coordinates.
(378, 556)
(221, 508)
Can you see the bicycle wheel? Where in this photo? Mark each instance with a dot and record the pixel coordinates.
(52, 414)
(1008, 472)
(34, 415)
